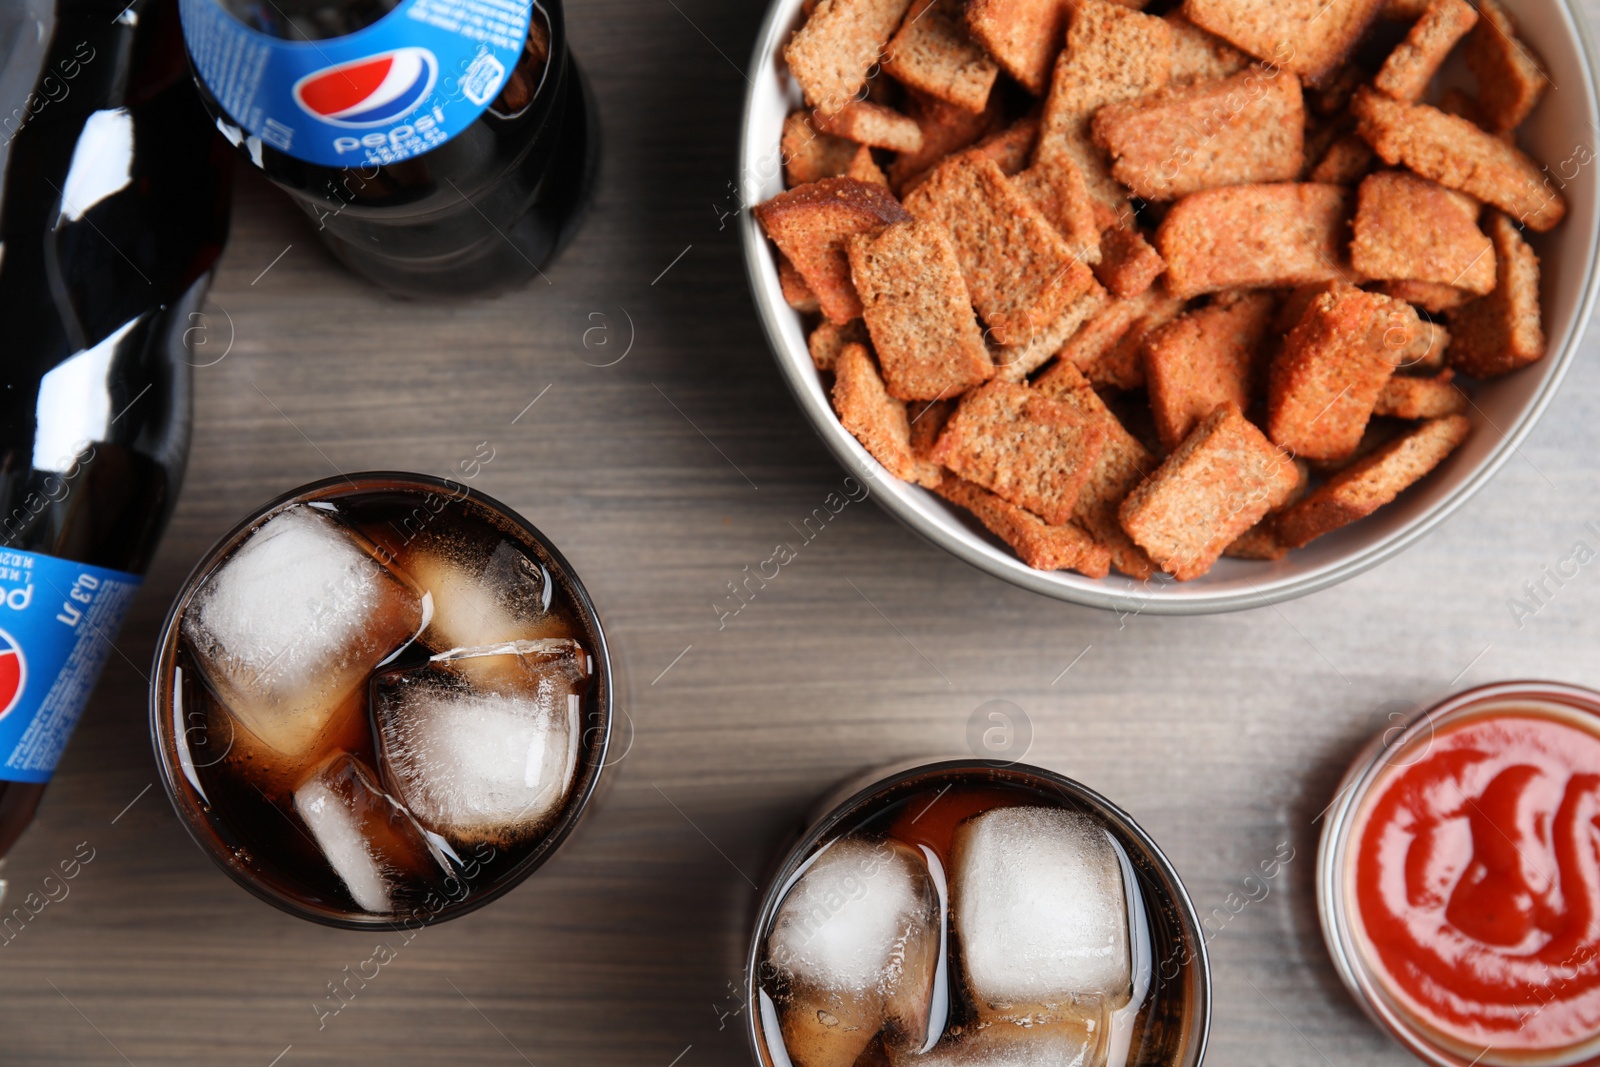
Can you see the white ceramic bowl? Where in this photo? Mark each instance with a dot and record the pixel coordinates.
(1561, 133)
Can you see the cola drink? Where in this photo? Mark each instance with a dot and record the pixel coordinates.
(441, 147)
(114, 207)
(382, 699)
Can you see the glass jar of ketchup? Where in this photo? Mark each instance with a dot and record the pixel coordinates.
(1459, 878)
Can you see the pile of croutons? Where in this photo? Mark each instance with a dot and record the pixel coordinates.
(1141, 290)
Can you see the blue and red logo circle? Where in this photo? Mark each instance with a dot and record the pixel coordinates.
(13, 673)
(373, 91)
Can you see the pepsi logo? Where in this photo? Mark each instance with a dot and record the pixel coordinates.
(13, 673)
(369, 92)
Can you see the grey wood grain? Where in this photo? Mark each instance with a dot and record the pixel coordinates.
(662, 477)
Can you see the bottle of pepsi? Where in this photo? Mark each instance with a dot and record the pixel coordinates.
(441, 147)
(114, 206)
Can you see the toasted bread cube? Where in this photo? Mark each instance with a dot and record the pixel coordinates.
(1510, 77)
(1204, 358)
(1421, 398)
(1294, 305)
(1454, 152)
(1411, 66)
(933, 53)
(1035, 452)
(1217, 485)
(1323, 386)
(1308, 37)
(1346, 162)
(1129, 264)
(1426, 352)
(1364, 487)
(1057, 188)
(1037, 543)
(1498, 333)
(796, 293)
(872, 124)
(1123, 464)
(928, 418)
(1242, 129)
(863, 168)
(1106, 350)
(1261, 541)
(829, 339)
(831, 54)
(946, 129)
(809, 156)
(1019, 271)
(1012, 147)
(1198, 55)
(1430, 296)
(1112, 54)
(1023, 36)
(1409, 227)
(918, 311)
(811, 223)
(1015, 363)
(1256, 237)
(877, 419)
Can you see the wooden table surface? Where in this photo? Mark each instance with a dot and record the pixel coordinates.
(662, 476)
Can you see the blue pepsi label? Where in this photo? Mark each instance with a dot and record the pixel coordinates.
(395, 89)
(57, 621)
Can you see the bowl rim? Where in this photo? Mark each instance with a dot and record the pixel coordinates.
(1136, 597)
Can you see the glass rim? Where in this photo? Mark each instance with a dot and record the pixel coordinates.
(845, 800)
(160, 700)
(1368, 989)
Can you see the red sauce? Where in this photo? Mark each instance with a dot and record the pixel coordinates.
(1477, 881)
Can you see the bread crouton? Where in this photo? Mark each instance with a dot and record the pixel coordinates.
(1409, 227)
(1237, 130)
(1256, 237)
(1023, 36)
(918, 311)
(1035, 452)
(1430, 296)
(1198, 55)
(1426, 352)
(946, 129)
(928, 418)
(1056, 187)
(1330, 98)
(810, 156)
(1500, 332)
(1411, 66)
(796, 293)
(1294, 304)
(877, 419)
(1112, 54)
(1323, 386)
(1454, 152)
(872, 124)
(1129, 264)
(1308, 37)
(1123, 464)
(1510, 77)
(1016, 362)
(811, 223)
(1261, 541)
(1219, 483)
(1346, 162)
(1204, 358)
(832, 53)
(1012, 147)
(1364, 487)
(1018, 269)
(863, 168)
(1037, 543)
(1405, 397)
(932, 52)
(1106, 349)
(829, 339)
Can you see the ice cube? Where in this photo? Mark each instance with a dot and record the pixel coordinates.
(482, 743)
(856, 944)
(1071, 1042)
(482, 594)
(374, 846)
(287, 629)
(1038, 904)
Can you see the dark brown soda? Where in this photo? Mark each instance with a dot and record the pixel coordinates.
(248, 806)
